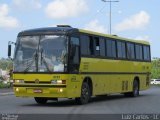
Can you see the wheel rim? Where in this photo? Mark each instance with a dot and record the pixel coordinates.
(136, 89)
(85, 94)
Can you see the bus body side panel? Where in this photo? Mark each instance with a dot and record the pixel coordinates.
(108, 76)
(115, 76)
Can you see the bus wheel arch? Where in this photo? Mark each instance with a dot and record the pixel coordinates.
(135, 89)
(86, 92)
(138, 80)
(90, 83)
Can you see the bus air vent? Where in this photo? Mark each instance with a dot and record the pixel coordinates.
(63, 26)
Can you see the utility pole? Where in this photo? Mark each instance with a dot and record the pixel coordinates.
(110, 18)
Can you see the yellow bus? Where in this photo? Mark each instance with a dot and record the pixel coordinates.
(66, 62)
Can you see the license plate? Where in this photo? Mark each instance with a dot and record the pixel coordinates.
(37, 91)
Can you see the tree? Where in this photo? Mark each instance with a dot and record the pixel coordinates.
(155, 72)
(6, 64)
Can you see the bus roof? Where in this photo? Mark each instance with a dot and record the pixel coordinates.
(48, 30)
(114, 37)
(68, 29)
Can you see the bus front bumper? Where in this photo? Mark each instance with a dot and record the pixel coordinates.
(50, 91)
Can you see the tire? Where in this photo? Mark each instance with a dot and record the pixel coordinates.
(40, 100)
(85, 94)
(135, 91)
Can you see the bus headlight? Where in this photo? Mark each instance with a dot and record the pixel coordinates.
(19, 81)
(58, 82)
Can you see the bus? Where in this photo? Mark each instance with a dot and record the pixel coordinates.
(65, 62)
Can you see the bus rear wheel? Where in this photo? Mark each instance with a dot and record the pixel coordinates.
(85, 94)
(135, 91)
(40, 100)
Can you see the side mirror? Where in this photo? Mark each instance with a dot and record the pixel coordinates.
(9, 50)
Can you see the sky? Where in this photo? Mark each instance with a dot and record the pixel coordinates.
(135, 19)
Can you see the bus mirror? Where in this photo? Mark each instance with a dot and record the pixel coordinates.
(9, 50)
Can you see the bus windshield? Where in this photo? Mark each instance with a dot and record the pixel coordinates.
(47, 53)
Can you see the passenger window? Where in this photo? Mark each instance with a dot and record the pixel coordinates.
(139, 55)
(91, 45)
(111, 48)
(146, 53)
(85, 45)
(130, 51)
(94, 46)
(102, 47)
(121, 48)
(97, 46)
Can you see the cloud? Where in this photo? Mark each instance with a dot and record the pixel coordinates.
(58, 9)
(94, 25)
(142, 38)
(137, 21)
(119, 12)
(7, 21)
(27, 4)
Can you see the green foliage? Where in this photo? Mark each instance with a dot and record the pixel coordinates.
(1, 78)
(155, 72)
(6, 64)
(4, 85)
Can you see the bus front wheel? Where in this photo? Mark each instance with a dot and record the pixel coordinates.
(85, 94)
(40, 100)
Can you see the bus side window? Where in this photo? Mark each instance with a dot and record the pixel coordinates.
(91, 45)
(130, 51)
(85, 45)
(97, 46)
(121, 50)
(102, 47)
(146, 53)
(111, 48)
(74, 54)
(139, 52)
